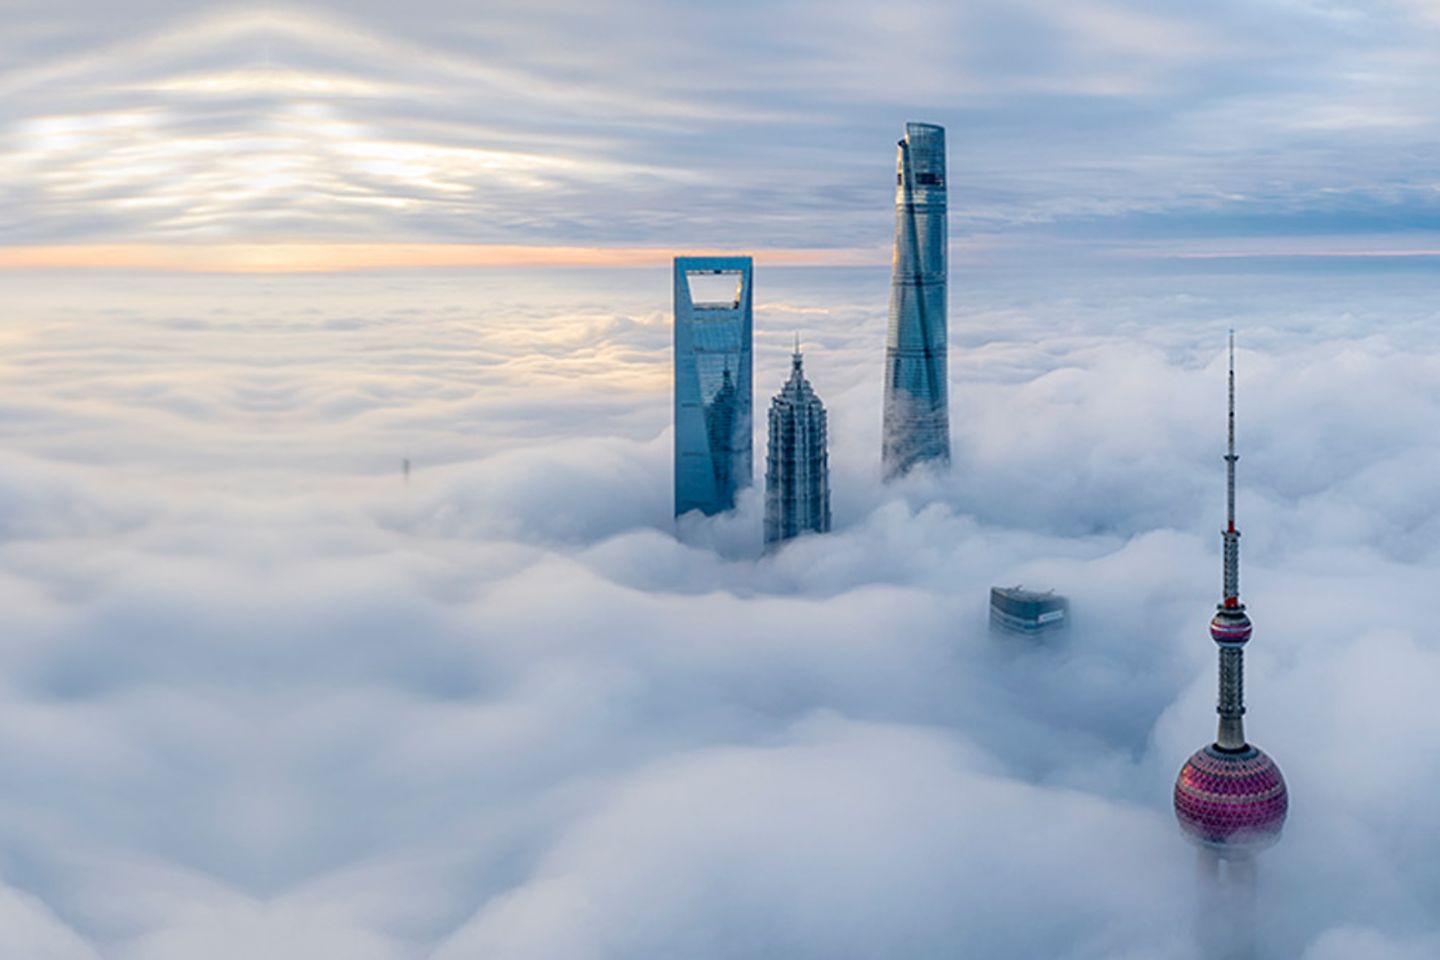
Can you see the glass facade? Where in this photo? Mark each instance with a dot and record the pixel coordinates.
(713, 420)
(916, 405)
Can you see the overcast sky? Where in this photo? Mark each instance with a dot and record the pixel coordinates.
(1249, 127)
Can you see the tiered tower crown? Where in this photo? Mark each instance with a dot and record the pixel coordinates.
(797, 464)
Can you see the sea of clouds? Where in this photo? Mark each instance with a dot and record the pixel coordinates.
(261, 697)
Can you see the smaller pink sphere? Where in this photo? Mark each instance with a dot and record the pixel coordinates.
(1230, 627)
(1231, 801)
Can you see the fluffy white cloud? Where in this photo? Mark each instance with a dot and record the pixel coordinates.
(262, 696)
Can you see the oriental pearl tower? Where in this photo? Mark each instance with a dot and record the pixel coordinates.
(1230, 797)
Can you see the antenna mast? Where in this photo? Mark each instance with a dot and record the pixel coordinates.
(1232, 535)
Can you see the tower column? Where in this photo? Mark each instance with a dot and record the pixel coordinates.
(916, 419)
(1231, 706)
(1239, 896)
(1231, 586)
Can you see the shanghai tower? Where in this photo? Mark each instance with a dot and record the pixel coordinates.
(916, 413)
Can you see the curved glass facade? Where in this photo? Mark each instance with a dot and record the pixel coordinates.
(916, 406)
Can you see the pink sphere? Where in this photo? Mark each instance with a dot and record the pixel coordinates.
(1231, 801)
(1230, 627)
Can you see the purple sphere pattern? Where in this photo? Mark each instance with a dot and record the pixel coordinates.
(1231, 801)
(1230, 628)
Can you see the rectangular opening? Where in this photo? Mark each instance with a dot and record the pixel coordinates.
(714, 288)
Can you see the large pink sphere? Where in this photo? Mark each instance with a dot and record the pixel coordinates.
(1231, 801)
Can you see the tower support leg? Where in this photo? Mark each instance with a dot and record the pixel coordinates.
(1240, 894)
(1208, 902)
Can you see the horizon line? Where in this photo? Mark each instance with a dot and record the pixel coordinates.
(301, 257)
(323, 257)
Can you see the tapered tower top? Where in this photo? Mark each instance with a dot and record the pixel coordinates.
(922, 151)
(1231, 626)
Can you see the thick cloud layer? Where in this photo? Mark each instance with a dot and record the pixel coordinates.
(262, 697)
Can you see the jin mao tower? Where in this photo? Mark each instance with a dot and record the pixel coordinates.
(797, 468)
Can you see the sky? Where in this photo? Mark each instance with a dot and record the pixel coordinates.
(262, 697)
(154, 133)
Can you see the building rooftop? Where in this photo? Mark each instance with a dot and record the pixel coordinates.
(1027, 612)
(1025, 596)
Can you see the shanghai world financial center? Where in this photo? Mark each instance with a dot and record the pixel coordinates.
(713, 418)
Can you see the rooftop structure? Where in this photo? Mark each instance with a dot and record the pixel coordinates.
(1027, 613)
(916, 414)
(797, 468)
(713, 329)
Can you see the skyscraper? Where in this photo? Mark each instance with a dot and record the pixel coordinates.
(797, 469)
(916, 405)
(1028, 613)
(712, 382)
(1230, 797)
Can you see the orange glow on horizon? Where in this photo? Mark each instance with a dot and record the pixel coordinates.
(347, 257)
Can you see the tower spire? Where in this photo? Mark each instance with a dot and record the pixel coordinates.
(1230, 457)
(1232, 535)
(1231, 626)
